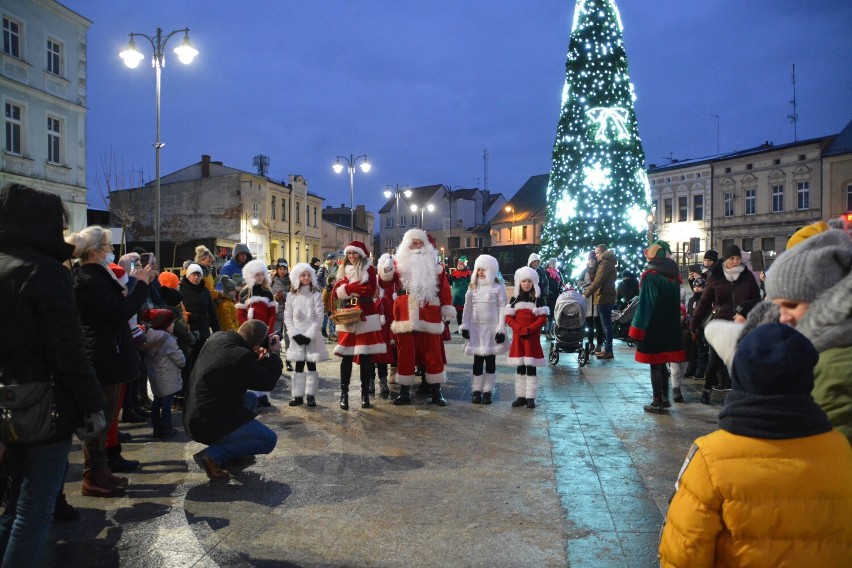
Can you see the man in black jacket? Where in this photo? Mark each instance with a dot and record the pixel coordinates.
(219, 410)
(41, 340)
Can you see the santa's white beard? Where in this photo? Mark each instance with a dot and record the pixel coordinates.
(418, 271)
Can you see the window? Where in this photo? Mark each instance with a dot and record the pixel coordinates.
(273, 207)
(283, 208)
(389, 242)
(54, 139)
(13, 127)
(11, 38)
(667, 213)
(697, 207)
(298, 213)
(682, 209)
(748, 244)
(298, 249)
(388, 223)
(523, 232)
(479, 242)
(497, 233)
(777, 198)
(750, 201)
(727, 170)
(748, 166)
(803, 192)
(802, 157)
(255, 211)
(777, 161)
(767, 243)
(54, 57)
(414, 220)
(467, 242)
(402, 221)
(849, 198)
(315, 217)
(728, 203)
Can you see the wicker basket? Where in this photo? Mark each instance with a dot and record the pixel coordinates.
(346, 315)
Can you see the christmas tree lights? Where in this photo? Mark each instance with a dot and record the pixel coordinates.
(598, 191)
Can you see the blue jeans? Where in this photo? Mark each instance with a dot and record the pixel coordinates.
(605, 310)
(250, 439)
(161, 412)
(36, 475)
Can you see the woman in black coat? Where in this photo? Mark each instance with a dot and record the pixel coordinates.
(105, 307)
(730, 283)
(201, 317)
(40, 341)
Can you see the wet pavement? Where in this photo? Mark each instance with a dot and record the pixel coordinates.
(582, 480)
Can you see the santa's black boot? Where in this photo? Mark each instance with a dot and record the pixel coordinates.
(404, 395)
(437, 397)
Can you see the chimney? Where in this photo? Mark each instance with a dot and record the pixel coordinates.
(205, 166)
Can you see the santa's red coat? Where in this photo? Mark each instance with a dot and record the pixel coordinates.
(410, 316)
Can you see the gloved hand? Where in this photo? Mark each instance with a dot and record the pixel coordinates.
(500, 338)
(465, 334)
(524, 331)
(93, 424)
(301, 339)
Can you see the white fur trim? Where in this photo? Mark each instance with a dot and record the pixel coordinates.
(297, 271)
(448, 311)
(528, 361)
(341, 350)
(483, 350)
(382, 319)
(341, 292)
(405, 380)
(399, 327)
(525, 306)
(412, 234)
(436, 378)
(352, 248)
(490, 379)
(376, 348)
(542, 311)
(395, 296)
(508, 311)
(532, 386)
(258, 300)
(311, 383)
(476, 383)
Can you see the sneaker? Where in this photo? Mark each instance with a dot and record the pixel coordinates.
(656, 407)
(208, 466)
(724, 388)
(165, 434)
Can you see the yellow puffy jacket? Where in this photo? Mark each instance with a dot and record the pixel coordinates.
(744, 501)
(227, 312)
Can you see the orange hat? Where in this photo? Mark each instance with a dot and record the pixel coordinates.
(169, 280)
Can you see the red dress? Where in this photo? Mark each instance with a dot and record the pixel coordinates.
(363, 337)
(526, 320)
(389, 287)
(259, 306)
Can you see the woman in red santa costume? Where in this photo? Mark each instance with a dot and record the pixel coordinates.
(357, 282)
(419, 314)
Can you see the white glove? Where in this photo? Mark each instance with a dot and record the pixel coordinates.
(93, 424)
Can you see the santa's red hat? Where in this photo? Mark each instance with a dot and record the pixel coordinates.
(432, 241)
(120, 273)
(359, 247)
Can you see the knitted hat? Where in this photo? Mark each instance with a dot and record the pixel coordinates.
(774, 359)
(281, 262)
(171, 296)
(814, 265)
(227, 284)
(711, 255)
(252, 269)
(194, 268)
(743, 308)
(731, 250)
(658, 251)
(168, 280)
(297, 272)
(158, 318)
(315, 260)
(359, 247)
(533, 257)
(697, 282)
(526, 273)
(806, 232)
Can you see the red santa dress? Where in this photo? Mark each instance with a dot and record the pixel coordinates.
(364, 336)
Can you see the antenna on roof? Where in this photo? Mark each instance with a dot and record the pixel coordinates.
(485, 169)
(794, 118)
(261, 162)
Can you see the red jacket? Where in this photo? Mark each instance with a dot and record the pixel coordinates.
(526, 320)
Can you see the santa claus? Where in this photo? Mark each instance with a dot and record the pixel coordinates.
(419, 313)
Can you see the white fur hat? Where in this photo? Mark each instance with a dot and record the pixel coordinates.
(487, 263)
(526, 273)
(297, 272)
(252, 269)
(533, 257)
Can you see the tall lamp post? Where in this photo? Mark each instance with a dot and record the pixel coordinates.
(131, 56)
(338, 167)
(416, 208)
(511, 210)
(395, 191)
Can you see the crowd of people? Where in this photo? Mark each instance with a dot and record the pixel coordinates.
(213, 343)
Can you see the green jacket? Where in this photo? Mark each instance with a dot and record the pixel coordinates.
(833, 387)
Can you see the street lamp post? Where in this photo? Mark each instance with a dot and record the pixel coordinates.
(131, 56)
(512, 233)
(338, 167)
(415, 208)
(395, 191)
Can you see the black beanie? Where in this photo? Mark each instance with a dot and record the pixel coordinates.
(170, 296)
(774, 359)
(732, 250)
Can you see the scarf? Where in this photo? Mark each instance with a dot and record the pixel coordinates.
(772, 417)
(731, 274)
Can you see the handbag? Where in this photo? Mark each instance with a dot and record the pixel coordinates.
(710, 317)
(27, 411)
(350, 313)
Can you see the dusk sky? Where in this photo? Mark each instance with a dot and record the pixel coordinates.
(422, 87)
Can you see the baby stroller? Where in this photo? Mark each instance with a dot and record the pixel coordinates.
(621, 321)
(569, 319)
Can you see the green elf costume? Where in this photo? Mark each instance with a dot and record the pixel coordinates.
(656, 324)
(459, 281)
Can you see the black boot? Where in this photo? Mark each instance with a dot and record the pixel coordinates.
(117, 463)
(344, 396)
(311, 400)
(486, 398)
(384, 388)
(424, 387)
(530, 403)
(365, 400)
(296, 401)
(404, 395)
(437, 397)
(476, 397)
(520, 401)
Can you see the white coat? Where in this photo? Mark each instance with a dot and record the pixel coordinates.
(163, 362)
(484, 317)
(303, 315)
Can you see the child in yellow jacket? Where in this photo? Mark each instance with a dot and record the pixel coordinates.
(226, 308)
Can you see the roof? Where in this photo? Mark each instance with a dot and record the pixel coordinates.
(842, 144)
(527, 202)
(418, 195)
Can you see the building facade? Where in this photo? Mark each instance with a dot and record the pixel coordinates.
(341, 226)
(837, 176)
(211, 202)
(516, 228)
(43, 93)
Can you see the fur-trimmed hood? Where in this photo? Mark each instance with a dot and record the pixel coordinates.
(252, 269)
(489, 264)
(297, 272)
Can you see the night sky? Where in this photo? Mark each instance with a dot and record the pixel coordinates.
(422, 87)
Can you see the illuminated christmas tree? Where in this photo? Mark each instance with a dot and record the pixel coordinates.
(598, 190)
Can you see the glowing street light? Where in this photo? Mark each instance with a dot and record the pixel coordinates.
(338, 168)
(415, 208)
(395, 191)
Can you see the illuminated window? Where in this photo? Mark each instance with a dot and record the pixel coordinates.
(682, 209)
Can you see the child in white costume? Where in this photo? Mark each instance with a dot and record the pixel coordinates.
(303, 315)
(484, 326)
